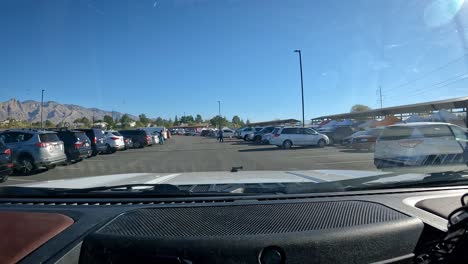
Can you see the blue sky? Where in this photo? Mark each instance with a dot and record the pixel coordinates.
(167, 57)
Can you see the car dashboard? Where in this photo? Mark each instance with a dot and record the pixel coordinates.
(385, 226)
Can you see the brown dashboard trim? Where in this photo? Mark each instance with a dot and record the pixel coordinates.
(23, 232)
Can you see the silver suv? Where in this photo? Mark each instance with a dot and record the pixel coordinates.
(421, 144)
(32, 149)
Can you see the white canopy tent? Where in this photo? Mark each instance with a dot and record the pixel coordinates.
(414, 118)
(443, 116)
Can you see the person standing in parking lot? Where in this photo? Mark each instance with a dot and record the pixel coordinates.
(221, 136)
(161, 138)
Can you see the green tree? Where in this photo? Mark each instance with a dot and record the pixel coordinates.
(236, 120)
(167, 123)
(187, 120)
(86, 122)
(109, 120)
(159, 121)
(198, 119)
(125, 120)
(219, 121)
(138, 123)
(48, 124)
(34, 124)
(359, 108)
(144, 120)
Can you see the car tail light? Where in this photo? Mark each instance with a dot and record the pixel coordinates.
(114, 138)
(410, 143)
(94, 140)
(10, 165)
(78, 144)
(126, 140)
(276, 135)
(7, 152)
(41, 145)
(148, 137)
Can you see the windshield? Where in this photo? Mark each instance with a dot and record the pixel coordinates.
(232, 91)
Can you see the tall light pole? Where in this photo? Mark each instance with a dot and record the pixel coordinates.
(42, 104)
(219, 113)
(302, 85)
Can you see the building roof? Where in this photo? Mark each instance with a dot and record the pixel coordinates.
(275, 122)
(455, 103)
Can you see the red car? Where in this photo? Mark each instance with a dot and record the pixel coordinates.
(366, 140)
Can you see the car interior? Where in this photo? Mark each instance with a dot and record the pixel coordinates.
(379, 226)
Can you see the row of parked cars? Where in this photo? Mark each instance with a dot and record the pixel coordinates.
(410, 144)
(27, 150)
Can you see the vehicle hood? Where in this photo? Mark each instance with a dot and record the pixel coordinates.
(191, 178)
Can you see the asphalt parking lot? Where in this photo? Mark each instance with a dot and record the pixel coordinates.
(189, 154)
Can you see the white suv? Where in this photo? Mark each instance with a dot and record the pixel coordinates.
(114, 141)
(288, 136)
(420, 144)
(242, 133)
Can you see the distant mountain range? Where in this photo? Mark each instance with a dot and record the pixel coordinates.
(55, 112)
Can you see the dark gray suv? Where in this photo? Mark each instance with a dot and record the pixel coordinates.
(32, 149)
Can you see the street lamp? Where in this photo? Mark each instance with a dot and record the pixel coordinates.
(42, 104)
(219, 113)
(302, 84)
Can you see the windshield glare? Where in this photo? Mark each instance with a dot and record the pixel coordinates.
(232, 92)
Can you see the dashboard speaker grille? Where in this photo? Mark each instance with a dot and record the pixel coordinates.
(258, 219)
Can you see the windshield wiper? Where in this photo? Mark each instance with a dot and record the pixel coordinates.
(126, 190)
(361, 184)
(119, 190)
(438, 179)
(358, 184)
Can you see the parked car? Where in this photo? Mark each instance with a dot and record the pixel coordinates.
(6, 164)
(190, 132)
(347, 140)
(77, 145)
(152, 131)
(155, 137)
(250, 135)
(114, 141)
(242, 133)
(366, 140)
(267, 136)
(32, 149)
(140, 138)
(228, 133)
(205, 133)
(98, 139)
(421, 144)
(257, 136)
(297, 136)
(336, 133)
(128, 143)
